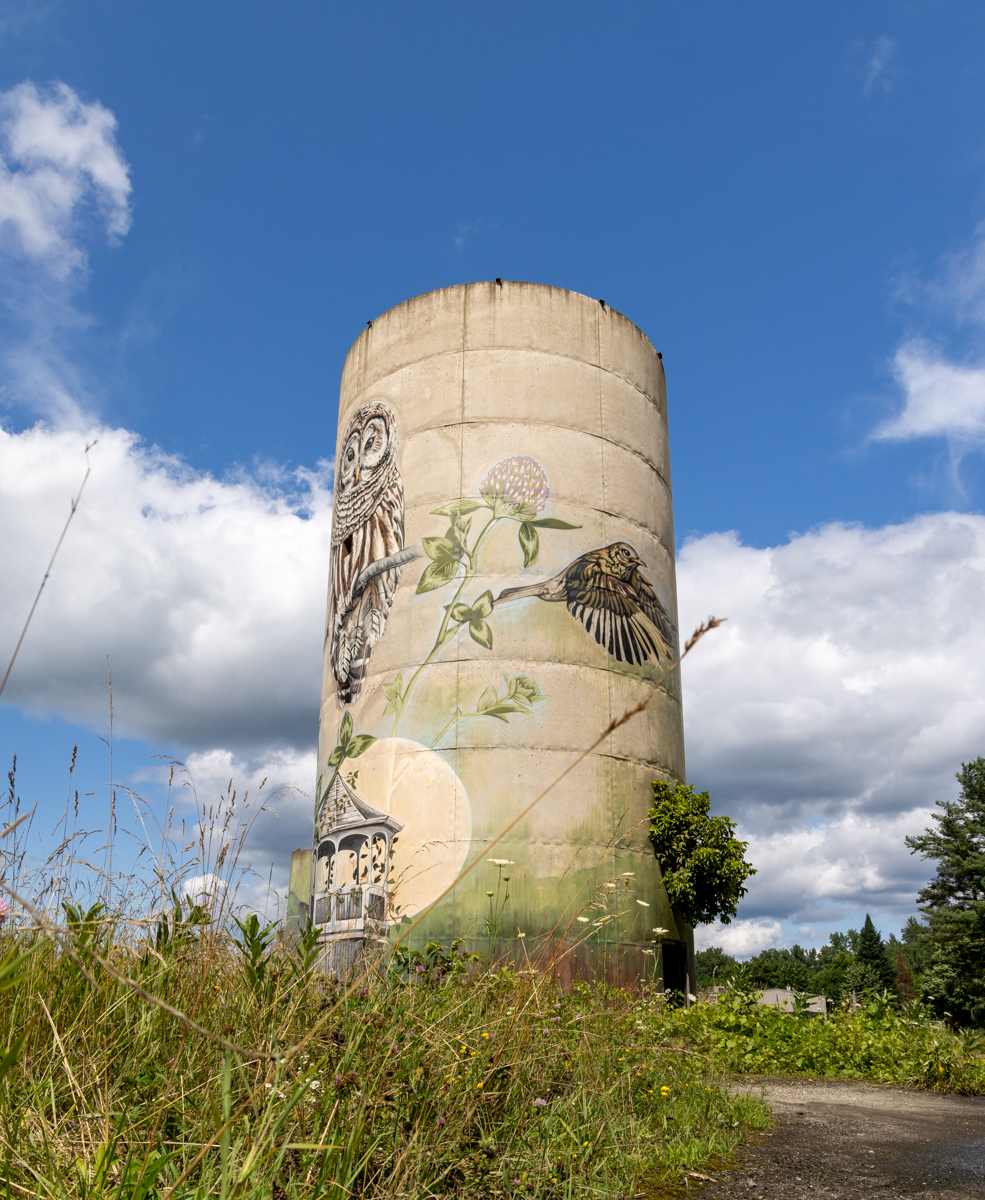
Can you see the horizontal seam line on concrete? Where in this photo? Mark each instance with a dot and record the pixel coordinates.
(551, 425)
(519, 660)
(523, 350)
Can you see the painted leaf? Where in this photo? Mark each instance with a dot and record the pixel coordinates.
(553, 523)
(335, 758)
(458, 508)
(481, 633)
(360, 744)
(436, 575)
(529, 543)
(488, 698)
(394, 690)
(502, 708)
(460, 613)
(345, 732)
(483, 606)
(438, 548)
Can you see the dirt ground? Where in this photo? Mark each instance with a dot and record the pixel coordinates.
(843, 1140)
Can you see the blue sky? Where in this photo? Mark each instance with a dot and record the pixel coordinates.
(786, 198)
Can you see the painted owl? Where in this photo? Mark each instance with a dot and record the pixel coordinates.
(367, 540)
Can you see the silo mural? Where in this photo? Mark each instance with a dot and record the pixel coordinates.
(501, 585)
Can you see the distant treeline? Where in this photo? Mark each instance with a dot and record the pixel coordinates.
(858, 961)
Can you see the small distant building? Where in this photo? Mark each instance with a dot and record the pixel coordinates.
(351, 870)
(783, 999)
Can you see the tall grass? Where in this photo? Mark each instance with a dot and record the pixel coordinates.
(177, 1046)
(452, 1080)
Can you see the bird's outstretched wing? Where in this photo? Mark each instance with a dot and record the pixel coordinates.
(654, 609)
(628, 621)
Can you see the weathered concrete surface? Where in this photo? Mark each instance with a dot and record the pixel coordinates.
(476, 374)
(843, 1140)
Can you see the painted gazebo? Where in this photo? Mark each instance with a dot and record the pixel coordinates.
(349, 901)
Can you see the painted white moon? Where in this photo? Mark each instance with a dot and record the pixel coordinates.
(415, 785)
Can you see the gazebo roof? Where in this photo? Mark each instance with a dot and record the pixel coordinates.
(347, 810)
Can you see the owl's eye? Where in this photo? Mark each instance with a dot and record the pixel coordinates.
(374, 443)
(347, 467)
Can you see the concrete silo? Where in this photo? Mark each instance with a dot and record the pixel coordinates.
(502, 585)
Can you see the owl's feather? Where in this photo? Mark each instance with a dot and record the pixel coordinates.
(367, 526)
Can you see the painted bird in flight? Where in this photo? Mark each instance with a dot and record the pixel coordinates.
(617, 605)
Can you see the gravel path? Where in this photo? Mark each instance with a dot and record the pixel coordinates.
(842, 1140)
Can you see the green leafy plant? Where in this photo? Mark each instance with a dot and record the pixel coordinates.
(175, 929)
(874, 1040)
(254, 946)
(702, 862)
(305, 953)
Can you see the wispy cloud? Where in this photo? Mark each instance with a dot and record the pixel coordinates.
(63, 179)
(882, 66)
(943, 395)
(467, 231)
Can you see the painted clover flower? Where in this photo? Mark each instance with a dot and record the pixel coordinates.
(520, 481)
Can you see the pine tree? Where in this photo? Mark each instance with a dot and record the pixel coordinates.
(954, 900)
(871, 952)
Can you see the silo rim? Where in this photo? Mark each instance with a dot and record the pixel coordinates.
(527, 283)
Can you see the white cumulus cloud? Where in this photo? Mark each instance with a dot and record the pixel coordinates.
(942, 398)
(742, 938)
(834, 706)
(207, 595)
(56, 153)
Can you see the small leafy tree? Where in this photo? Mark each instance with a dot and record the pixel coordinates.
(702, 861)
(954, 900)
(713, 966)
